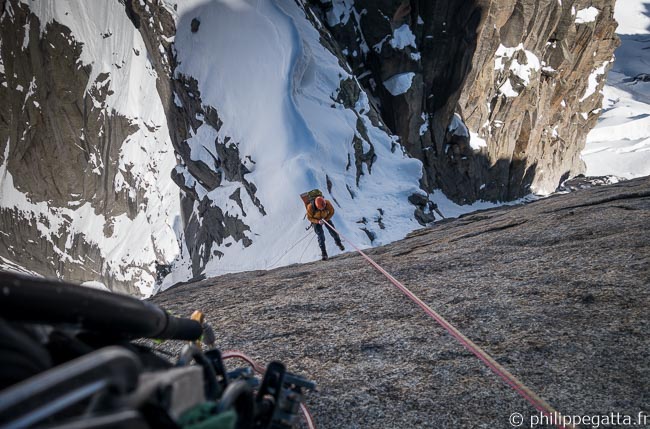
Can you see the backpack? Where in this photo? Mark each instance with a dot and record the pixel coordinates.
(309, 197)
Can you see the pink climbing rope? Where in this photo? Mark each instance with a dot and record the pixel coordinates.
(530, 396)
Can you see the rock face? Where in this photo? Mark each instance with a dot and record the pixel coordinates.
(556, 291)
(53, 136)
(65, 147)
(523, 77)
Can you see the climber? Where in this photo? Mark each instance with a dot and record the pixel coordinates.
(318, 211)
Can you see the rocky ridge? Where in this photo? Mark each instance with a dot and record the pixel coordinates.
(555, 290)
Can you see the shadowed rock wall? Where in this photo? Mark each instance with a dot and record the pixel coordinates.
(524, 76)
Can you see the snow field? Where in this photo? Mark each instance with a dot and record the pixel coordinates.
(620, 144)
(274, 93)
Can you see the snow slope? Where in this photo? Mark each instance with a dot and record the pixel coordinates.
(620, 144)
(274, 87)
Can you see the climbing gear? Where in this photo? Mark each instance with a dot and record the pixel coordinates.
(280, 257)
(320, 203)
(96, 377)
(297, 383)
(537, 402)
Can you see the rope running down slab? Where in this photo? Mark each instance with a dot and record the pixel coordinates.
(530, 396)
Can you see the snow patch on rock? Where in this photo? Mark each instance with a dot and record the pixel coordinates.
(593, 81)
(506, 57)
(403, 37)
(586, 15)
(399, 83)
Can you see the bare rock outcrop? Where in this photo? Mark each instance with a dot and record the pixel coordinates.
(523, 78)
(556, 291)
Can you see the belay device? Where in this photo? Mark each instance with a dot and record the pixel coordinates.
(67, 360)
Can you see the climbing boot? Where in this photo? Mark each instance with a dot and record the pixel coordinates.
(324, 258)
(340, 246)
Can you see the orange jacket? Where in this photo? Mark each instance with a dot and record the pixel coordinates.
(314, 215)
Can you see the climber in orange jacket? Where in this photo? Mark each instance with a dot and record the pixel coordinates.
(318, 211)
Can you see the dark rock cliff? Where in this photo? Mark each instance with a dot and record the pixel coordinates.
(556, 291)
(524, 76)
